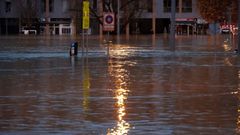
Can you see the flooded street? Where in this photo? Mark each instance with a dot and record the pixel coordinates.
(141, 88)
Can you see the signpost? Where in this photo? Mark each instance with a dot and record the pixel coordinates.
(108, 22)
(85, 24)
(108, 25)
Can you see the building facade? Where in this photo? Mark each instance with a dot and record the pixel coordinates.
(188, 19)
(64, 16)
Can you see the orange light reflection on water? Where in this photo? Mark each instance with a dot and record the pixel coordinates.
(122, 127)
(121, 76)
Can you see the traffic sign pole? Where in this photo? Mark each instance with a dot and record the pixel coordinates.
(85, 25)
(108, 25)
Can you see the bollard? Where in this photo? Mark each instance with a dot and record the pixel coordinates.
(236, 51)
(74, 49)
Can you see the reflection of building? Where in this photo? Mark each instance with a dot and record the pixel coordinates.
(62, 12)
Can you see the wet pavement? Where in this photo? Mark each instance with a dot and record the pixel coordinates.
(141, 88)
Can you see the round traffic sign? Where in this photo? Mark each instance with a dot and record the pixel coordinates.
(109, 19)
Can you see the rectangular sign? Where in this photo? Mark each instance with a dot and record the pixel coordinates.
(86, 20)
(108, 21)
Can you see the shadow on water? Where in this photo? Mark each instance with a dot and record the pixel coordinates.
(142, 88)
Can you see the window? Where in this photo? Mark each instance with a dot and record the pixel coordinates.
(66, 31)
(8, 5)
(167, 6)
(186, 6)
(51, 5)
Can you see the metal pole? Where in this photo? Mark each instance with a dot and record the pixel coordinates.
(238, 50)
(173, 23)
(87, 41)
(108, 42)
(82, 42)
(118, 21)
(6, 26)
(118, 18)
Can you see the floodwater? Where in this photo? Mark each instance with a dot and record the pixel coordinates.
(142, 88)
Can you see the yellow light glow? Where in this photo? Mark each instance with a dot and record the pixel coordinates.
(227, 47)
(121, 51)
(122, 127)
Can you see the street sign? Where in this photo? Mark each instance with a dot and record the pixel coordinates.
(108, 21)
(86, 20)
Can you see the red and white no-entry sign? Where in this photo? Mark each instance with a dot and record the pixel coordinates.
(108, 21)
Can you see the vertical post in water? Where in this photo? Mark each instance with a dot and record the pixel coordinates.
(173, 23)
(83, 41)
(108, 42)
(87, 41)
